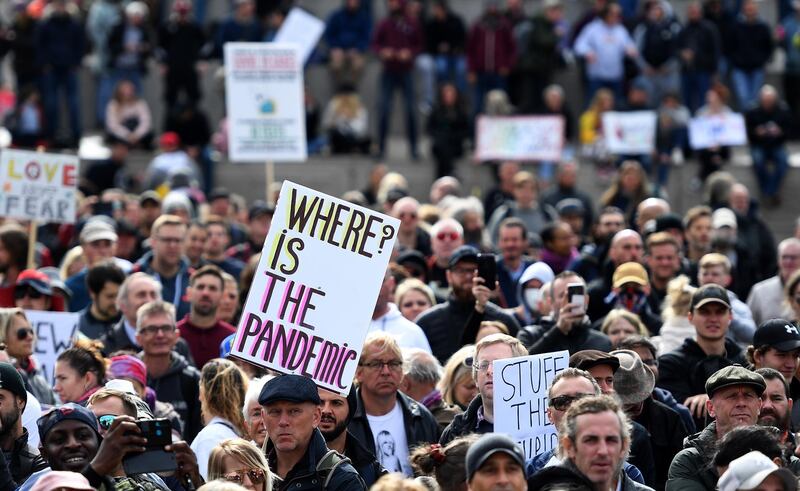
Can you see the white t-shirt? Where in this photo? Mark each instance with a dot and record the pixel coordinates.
(391, 445)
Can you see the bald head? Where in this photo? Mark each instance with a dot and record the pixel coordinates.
(650, 209)
(626, 246)
(739, 198)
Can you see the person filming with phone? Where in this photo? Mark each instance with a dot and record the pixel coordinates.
(570, 328)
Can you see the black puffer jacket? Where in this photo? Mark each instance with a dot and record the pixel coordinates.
(466, 423)
(546, 338)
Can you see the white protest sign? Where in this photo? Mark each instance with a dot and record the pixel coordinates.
(717, 130)
(313, 293)
(302, 29)
(519, 138)
(264, 97)
(520, 399)
(38, 186)
(54, 334)
(629, 132)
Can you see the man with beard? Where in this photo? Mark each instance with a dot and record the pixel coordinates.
(200, 328)
(103, 281)
(724, 241)
(697, 224)
(386, 421)
(337, 412)
(776, 405)
(445, 323)
(23, 459)
(511, 242)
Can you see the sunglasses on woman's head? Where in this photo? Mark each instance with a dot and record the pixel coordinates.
(256, 476)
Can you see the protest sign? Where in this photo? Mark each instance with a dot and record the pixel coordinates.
(630, 133)
(313, 293)
(717, 130)
(520, 399)
(54, 334)
(264, 97)
(302, 29)
(38, 186)
(519, 138)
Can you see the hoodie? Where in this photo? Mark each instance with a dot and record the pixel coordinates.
(179, 386)
(407, 334)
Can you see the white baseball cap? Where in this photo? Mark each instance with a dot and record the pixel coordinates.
(750, 470)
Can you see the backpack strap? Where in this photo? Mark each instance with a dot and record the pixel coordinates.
(327, 464)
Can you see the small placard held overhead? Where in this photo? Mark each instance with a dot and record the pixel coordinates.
(538, 138)
(38, 186)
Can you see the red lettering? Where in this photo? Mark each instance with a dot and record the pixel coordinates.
(68, 176)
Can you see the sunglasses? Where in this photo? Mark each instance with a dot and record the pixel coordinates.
(106, 420)
(24, 332)
(407, 215)
(256, 476)
(31, 293)
(562, 403)
(447, 236)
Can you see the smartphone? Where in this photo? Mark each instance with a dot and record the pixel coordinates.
(103, 208)
(158, 433)
(576, 293)
(487, 269)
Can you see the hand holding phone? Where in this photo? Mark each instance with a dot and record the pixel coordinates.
(576, 294)
(155, 458)
(487, 269)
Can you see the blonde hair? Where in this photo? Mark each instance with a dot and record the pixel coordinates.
(383, 341)
(630, 317)
(679, 298)
(397, 482)
(166, 220)
(72, 255)
(245, 452)
(454, 370)
(224, 386)
(413, 284)
(347, 104)
(6, 316)
(715, 259)
(517, 348)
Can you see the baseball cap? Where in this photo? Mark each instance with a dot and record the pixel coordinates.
(170, 139)
(777, 333)
(218, 193)
(723, 217)
(291, 388)
(64, 412)
(95, 230)
(631, 272)
(36, 280)
(570, 206)
(259, 208)
(488, 445)
(589, 358)
(709, 293)
(463, 253)
(750, 470)
(150, 196)
(62, 480)
(735, 375)
(669, 221)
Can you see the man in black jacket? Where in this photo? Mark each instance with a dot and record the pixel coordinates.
(700, 48)
(479, 416)
(168, 373)
(684, 371)
(296, 450)
(23, 459)
(570, 328)
(337, 412)
(386, 421)
(768, 125)
(445, 323)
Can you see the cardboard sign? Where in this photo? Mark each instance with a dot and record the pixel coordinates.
(520, 399)
(302, 29)
(519, 138)
(313, 293)
(717, 131)
(55, 332)
(630, 133)
(264, 97)
(38, 186)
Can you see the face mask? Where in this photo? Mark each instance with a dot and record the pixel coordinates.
(632, 300)
(532, 297)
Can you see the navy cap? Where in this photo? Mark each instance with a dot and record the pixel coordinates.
(463, 253)
(777, 333)
(67, 411)
(709, 293)
(290, 388)
(735, 375)
(488, 445)
(669, 221)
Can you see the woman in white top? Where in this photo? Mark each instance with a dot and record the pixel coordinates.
(128, 117)
(676, 327)
(222, 389)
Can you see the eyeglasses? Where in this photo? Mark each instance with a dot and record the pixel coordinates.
(24, 332)
(463, 271)
(32, 293)
(165, 328)
(256, 476)
(562, 403)
(393, 365)
(105, 420)
(482, 366)
(447, 236)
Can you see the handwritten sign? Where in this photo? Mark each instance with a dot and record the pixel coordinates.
(519, 138)
(520, 399)
(312, 297)
(718, 130)
(630, 133)
(54, 334)
(38, 186)
(301, 28)
(264, 97)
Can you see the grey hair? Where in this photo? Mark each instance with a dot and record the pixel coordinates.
(554, 88)
(253, 391)
(593, 405)
(572, 372)
(444, 222)
(154, 308)
(420, 366)
(122, 295)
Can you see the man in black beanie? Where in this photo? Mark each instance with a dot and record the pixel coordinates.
(23, 459)
(337, 411)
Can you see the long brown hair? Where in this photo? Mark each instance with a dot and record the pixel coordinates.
(224, 385)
